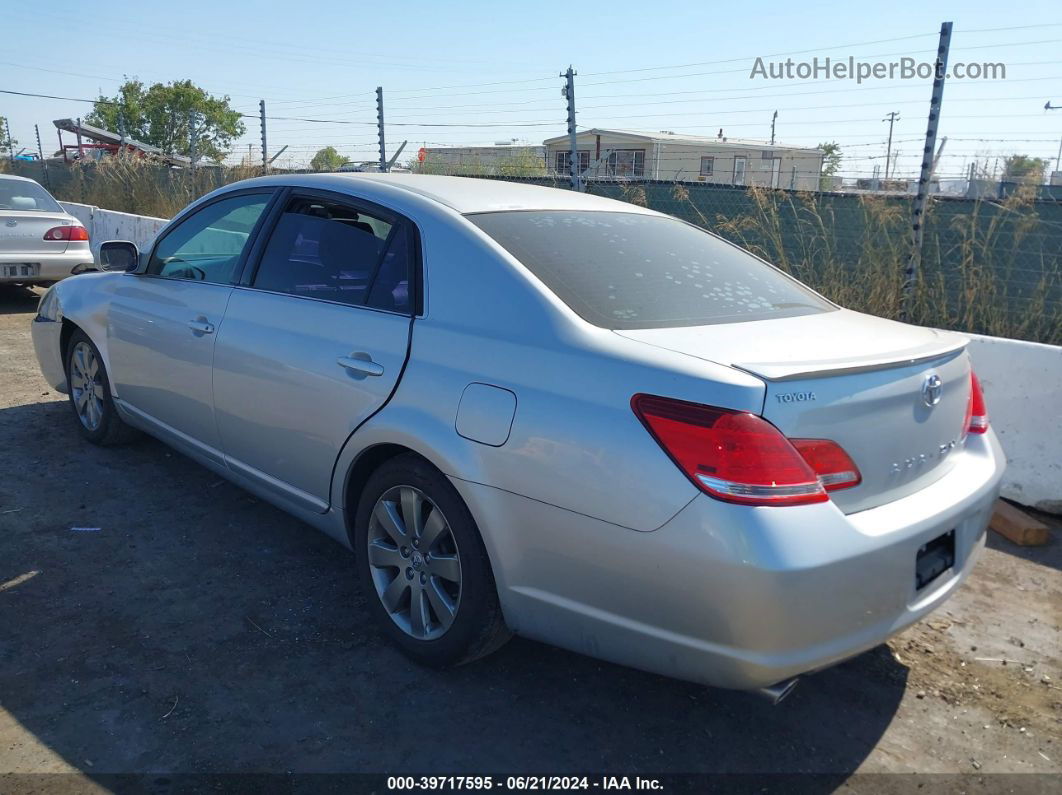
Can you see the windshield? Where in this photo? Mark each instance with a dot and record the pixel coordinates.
(627, 271)
(15, 194)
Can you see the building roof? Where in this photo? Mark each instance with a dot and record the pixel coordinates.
(463, 194)
(679, 138)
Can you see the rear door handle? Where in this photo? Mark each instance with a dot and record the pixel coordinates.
(201, 326)
(364, 366)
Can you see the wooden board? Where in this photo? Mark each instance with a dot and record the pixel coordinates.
(1017, 526)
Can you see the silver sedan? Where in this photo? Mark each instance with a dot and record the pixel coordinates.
(539, 412)
(40, 242)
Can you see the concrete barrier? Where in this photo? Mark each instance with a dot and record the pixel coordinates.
(104, 225)
(1023, 389)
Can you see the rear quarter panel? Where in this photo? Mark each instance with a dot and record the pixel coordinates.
(574, 442)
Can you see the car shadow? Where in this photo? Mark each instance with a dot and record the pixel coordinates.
(157, 618)
(18, 300)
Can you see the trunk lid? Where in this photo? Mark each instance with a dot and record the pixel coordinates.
(855, 379)
(23, 232)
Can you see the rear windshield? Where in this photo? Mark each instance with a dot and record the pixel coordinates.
(628, 271)
(29, 196)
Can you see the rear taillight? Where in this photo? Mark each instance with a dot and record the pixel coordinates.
(976, 411)
(739, 457)
(834, 467)
(66, 233)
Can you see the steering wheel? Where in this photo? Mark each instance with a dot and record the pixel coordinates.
(201, 274)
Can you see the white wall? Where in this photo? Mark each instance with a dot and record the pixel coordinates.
(1022, 382)
(104, 225)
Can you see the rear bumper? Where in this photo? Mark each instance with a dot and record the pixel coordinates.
(53, 267)
(731, 596)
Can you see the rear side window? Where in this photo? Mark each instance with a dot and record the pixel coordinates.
(324, 249)
(628, 271)
(25, 196)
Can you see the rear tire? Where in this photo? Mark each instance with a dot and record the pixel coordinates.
(89, 390)
(423, 567)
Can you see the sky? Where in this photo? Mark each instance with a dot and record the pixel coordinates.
(473, 73)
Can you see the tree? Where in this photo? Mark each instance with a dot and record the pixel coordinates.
(160, 114)
(831, 163)
(1022, 168)
(327, 159)
(522, 162)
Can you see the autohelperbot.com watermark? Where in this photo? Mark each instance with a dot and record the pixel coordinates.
(851, 69)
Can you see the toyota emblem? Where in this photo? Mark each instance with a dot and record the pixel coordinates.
(932, 388)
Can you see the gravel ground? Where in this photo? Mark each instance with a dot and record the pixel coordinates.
(199, 630)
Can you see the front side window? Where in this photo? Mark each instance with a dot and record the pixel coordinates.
(625, 271)
(330, 250)
(208, 245)
(26, 196)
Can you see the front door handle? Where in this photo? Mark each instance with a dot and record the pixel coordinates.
(201, 326)
(364, 366)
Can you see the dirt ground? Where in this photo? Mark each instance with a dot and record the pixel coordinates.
(190, 628)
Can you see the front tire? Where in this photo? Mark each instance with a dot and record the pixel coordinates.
(89, 391)
(423, 567)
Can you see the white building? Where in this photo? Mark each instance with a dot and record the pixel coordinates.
(632, 154)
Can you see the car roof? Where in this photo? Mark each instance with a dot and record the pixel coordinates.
(463, 194)
(18, 178)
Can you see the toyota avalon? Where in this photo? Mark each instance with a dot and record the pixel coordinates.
(541, 412)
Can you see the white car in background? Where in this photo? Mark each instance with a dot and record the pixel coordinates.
(40, 243)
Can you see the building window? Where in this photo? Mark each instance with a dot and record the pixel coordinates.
(739, 169)
(625, 163)
(707, 166)
(563, 161)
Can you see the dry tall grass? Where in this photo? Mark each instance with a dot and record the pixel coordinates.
(989, 270)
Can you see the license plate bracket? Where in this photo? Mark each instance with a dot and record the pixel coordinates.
(16, 269)
(934, 558)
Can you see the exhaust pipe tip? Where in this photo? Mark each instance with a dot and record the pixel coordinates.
(776, 692)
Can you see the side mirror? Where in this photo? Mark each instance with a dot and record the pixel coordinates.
(119, 255)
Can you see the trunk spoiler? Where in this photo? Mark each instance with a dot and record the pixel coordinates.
(788, 371)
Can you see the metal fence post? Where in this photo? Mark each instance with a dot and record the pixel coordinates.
(10, 143)
(193, 154)
(918, 213)
(40, 152)
(265, 150)
(573, 144)
(380, 128)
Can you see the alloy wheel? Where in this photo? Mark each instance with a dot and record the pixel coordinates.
(86, 385)
(414, 562)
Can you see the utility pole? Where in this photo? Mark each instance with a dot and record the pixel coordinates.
(80, 154)
(891, 119)
(773, 119)
(265, 150)
(380, 128)
(918, 212)
(573, 144)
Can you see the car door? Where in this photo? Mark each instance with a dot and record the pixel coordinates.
(314, 341)
(162, 323)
